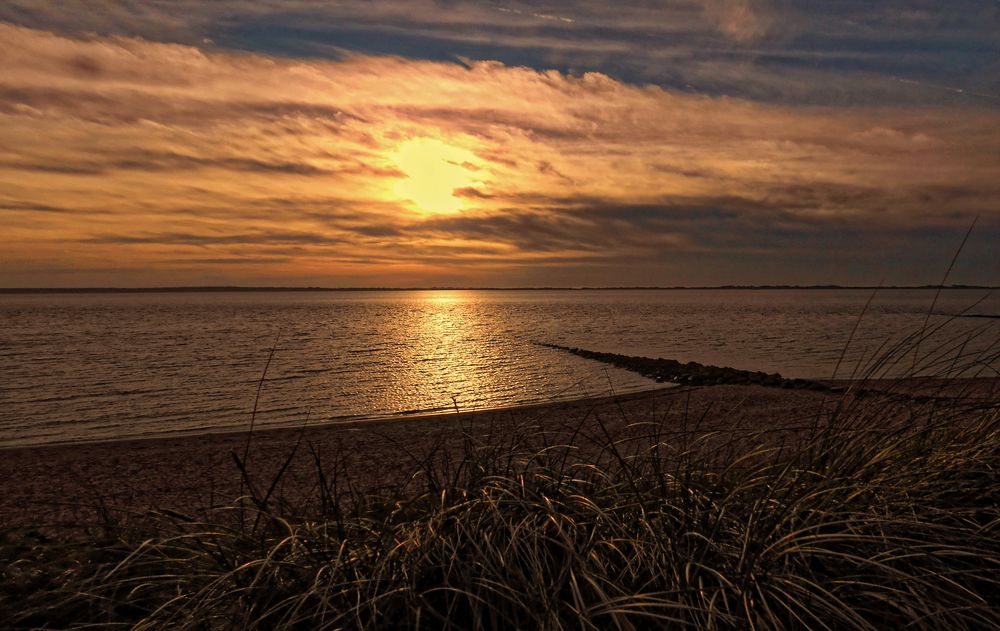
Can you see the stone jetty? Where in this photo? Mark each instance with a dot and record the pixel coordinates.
(690, 373)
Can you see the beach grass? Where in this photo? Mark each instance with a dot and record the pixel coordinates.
(876, 516)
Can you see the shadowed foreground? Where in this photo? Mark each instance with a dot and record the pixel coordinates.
(876, 513)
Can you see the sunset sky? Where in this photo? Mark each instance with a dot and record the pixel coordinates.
(416, 143)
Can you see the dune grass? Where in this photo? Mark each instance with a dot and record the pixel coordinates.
(881, 516)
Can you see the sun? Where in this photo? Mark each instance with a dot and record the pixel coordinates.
(434, 170)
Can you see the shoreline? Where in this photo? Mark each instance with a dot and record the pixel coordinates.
(65, 486)
(836, 387)
(349, 421)
(75, 486)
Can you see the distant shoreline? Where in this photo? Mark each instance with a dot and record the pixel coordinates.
(241, 289)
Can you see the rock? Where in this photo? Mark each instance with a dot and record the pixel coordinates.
(690, 373)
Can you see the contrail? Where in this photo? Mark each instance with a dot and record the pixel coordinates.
(540, 16)
(948, 88)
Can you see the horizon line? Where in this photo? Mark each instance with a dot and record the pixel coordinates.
(252, 288)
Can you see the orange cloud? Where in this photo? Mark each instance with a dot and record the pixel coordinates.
(125, 161)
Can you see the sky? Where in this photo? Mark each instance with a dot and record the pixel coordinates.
(443, 143)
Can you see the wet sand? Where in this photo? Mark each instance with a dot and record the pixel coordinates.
(74, 486)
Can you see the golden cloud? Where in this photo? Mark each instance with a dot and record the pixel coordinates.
(156, 161)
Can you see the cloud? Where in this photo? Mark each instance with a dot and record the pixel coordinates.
(743, 20)
(778, 50)
(262, 237)
(119, 148)
(18, 206)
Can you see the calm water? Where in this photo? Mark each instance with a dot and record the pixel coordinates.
(97, 366)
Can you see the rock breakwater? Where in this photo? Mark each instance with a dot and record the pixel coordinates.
(690, 373)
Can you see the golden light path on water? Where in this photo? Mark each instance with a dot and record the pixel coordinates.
(452, 351)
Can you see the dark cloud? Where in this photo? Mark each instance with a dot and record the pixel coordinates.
(86, 66)
(376, 230)
(134, 106)
(32, 207)
(720, 226)
(69, 168)
(175, 163)
(236, 261)
(843, 51)
(528, 232)
(470, 192)
(180, 238)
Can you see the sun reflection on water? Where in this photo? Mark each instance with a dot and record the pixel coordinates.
(450, 351)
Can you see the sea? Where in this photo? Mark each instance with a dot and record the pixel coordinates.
(78, 367)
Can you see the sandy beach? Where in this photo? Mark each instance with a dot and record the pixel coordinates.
(70, 485)
(56, 487)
